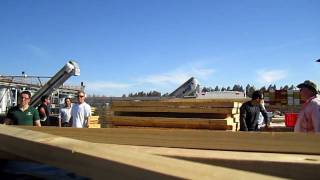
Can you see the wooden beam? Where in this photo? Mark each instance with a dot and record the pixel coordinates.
(179, 110)
(278, 142)
(286, 166)
(101, 161)
(189, 103)
(193, 123)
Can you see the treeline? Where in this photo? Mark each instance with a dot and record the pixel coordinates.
(249, 89)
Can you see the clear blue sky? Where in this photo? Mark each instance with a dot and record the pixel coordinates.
(127, 46)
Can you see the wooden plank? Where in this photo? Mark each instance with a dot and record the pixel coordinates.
(193, 103)
(180, 110)
(101, 161)
(94, 122)
(279, 142)
(93, 118)
(94, 125)
(194, 123)
(287, 166)
(209, 100)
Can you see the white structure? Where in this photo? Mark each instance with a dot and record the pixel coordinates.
(11, 86)
(221, 95)
(188, 89)
(191, 89)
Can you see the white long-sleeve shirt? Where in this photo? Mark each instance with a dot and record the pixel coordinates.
(309, 116)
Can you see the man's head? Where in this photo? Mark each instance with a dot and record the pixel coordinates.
(307, 89)
(257, 96)
(25, 97)
(45, 99)
(67, 102)
(81, 97)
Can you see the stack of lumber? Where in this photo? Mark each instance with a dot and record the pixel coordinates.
(94, 122)
(94, 119)
(215, 114)
(151, 153)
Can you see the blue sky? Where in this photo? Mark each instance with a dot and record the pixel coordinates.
(127, 46)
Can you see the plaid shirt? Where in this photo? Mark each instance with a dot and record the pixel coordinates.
(309, 116)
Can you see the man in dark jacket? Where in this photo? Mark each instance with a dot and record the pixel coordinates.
(249, 113)
(44, 111)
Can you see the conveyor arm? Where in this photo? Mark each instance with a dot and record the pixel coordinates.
(70, 69)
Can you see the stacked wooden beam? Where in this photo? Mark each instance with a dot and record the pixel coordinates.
(213, 114)
(94, 120)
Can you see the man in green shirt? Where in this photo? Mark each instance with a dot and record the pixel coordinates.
(23, 114)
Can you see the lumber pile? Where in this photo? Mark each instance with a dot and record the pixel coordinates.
(94, 122)
(215, 114)
(94, 119)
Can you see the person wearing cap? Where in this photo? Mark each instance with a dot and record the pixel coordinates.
(309, 115)
(250, 111)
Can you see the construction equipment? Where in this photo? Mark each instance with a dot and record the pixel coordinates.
(68, 70)
(191, 89)
(187, 89)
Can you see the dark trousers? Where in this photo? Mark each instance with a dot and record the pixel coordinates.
(44, 123)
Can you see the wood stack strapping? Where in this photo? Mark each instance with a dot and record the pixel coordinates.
(178, 113)
(105, 116)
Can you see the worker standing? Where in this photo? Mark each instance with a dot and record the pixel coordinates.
(44, 111)
(80, 112)
(65, 113)
(23, 114)
(250, 111)
(309, 115)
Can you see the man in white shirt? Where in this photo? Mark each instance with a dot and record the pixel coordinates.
(80, 112)
(65, 113)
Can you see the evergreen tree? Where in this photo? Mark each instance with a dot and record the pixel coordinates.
(165, 95)
(263, 89)
(205, 89)
(291, 87)
(250, 91)
(247, 88)
(241, 89)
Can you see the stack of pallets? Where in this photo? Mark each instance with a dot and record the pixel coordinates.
(216, 114)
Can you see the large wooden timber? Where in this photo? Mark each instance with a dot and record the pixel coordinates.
(94, 122)
(276, 142)
(189, 123)
(178, 113)
(104, 161)
(113, 161)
